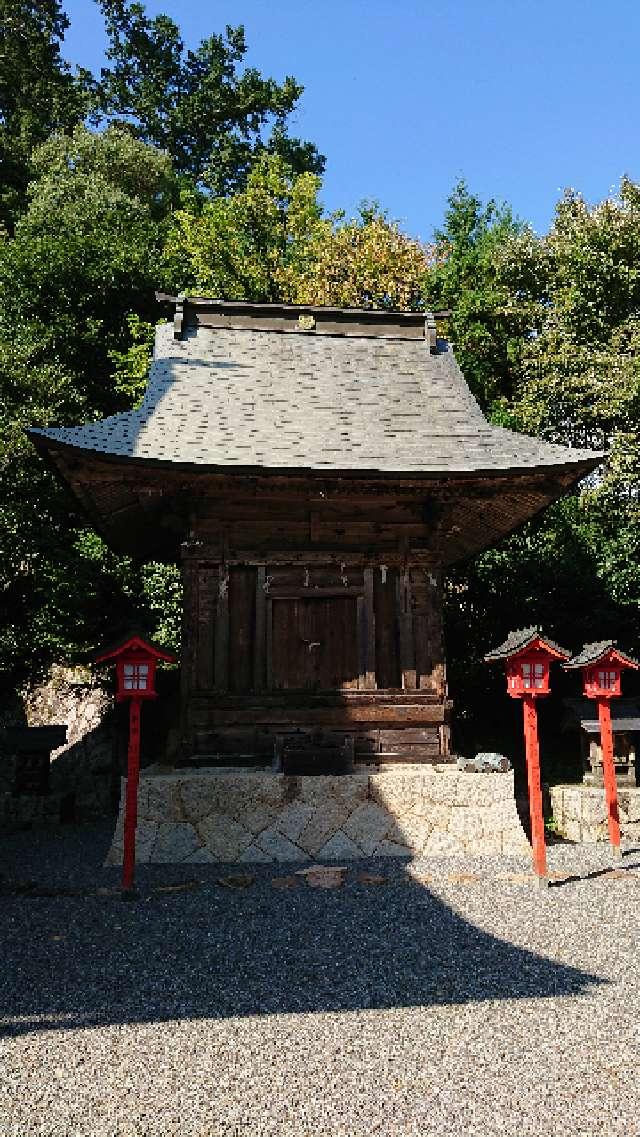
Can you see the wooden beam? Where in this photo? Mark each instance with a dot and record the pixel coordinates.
(311, 593)
(345, 698)
(417, 714)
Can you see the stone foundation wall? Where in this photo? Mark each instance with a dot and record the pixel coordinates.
(243, 817)
(81, 778)
(580, 813)
(83, 767)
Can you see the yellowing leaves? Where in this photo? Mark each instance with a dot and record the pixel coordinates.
(273, 242)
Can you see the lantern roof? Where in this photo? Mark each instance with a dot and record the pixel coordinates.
(236, 386)
(601, 651)
(135, 643)
(523, 640)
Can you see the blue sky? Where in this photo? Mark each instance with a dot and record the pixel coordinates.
(521, 98)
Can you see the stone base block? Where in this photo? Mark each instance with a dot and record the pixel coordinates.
(248, 816)
(580, 812)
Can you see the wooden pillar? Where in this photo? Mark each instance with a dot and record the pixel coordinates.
(366, 635)
(426, 597)
(189, 622)
(260, 644)
(221, 668)
(405, 619)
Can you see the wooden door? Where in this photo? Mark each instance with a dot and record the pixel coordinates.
(314, 643)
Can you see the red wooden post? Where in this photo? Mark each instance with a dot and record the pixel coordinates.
(131, 800)
(609, 774)
(535, 790)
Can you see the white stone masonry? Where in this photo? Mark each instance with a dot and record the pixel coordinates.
(580, 812)
(231, 815)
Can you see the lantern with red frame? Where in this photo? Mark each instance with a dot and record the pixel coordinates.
(527, 656)
(528, 673)
(602, 665)
(136, 660)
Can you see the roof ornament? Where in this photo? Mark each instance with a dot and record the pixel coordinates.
(430, 332)
(178, 318)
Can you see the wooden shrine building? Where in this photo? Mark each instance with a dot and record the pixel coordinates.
(316, 470)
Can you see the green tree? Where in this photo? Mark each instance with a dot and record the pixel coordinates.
(39, 94)
(579, 379)
(85, 255)
(366, 262)
(575, 379)
(273, 242)
(254, 244)
(485, 328)
(78, 275)
(212, 118)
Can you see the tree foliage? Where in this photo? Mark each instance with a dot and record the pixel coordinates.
(366, 262)
(574, 378)
(212, 119)
(89, 212)
(273, 242)
(84, 256)
(39, 93)
(579, 379)
(485, 328)
(253, 245)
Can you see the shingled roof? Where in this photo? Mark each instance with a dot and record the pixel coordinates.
(256, 387)
(600, 650)
(520, 640)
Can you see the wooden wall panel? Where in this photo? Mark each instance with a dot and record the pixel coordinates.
(320, 642)
(314, 643)
(335, 618)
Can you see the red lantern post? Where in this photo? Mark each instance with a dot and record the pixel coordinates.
(527, 656)
(602, 666)
(135, 661)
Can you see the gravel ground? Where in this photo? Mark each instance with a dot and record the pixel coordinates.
(460, 1000)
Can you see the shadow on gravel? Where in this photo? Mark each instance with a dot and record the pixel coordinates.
(80, 959)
